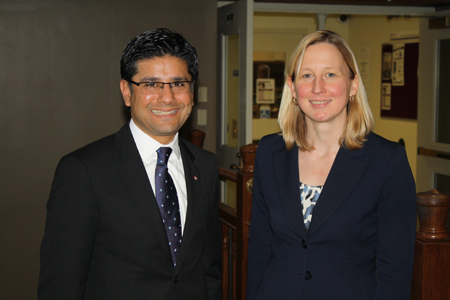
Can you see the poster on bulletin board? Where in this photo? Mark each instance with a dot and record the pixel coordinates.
(399, 80)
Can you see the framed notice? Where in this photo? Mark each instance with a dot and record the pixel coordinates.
(265, 91)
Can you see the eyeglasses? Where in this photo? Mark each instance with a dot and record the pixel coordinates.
(154, 87)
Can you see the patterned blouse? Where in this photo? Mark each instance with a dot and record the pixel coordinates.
(309, 196)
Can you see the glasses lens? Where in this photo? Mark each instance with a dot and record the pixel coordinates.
(180, 87)
(151, 87)
(177, 87)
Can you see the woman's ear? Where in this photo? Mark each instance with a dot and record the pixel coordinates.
(291, 86)
(354, 87)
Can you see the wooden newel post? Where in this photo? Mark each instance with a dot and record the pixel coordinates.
(197, 137)
(243, 209)
(248, 153)
(432, 256)
(433, 209)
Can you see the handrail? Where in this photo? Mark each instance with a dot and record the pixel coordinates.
(227, 215)
(433, 153)
(227, 174)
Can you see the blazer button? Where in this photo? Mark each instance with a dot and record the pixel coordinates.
(304, 244)
(308, 275)
(175, 279)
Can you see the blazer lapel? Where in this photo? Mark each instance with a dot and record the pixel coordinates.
(288, 183)
(347, 168)
(135, 178)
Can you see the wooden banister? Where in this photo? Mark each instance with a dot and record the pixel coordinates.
(227, 215)
(243, 212)
(433, 209)
(235, 226)
(227, 175)
(432, 255)
(228, 220)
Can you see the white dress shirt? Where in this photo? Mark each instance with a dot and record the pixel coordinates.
(147, 147)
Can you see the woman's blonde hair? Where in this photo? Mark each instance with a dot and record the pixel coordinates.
(292, 119)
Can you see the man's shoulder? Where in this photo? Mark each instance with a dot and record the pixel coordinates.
(195, 151)
(102, 146)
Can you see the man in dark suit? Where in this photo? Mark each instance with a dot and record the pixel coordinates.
(110, 232)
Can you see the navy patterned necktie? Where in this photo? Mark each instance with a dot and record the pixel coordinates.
(166, 196)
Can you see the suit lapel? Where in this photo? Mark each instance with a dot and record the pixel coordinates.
(193, 181)
(286, 175)
(135, 178)
(343, 177)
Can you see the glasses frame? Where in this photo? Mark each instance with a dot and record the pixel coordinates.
(163, 83)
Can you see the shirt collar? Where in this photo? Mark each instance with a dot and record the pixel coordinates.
(147, 146)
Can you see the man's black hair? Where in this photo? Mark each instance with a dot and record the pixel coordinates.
(158, 42)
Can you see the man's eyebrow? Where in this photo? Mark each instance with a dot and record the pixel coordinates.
(180, 78)
(158, 79)
(150, 79)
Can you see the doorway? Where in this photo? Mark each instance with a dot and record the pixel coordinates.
(433, 162)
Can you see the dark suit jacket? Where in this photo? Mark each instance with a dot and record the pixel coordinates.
(360, 243)
(104, 237)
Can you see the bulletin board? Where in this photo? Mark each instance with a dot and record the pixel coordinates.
(399, 80)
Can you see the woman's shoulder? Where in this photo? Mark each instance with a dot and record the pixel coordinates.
(272, 142)
(378, 145)
(375, 140)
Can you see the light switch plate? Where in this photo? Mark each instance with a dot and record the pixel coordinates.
(202, 94)
(201, 117)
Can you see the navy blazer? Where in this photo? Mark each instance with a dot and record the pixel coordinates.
(104, 237)
(360, 244)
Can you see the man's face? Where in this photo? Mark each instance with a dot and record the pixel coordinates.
(159, 115)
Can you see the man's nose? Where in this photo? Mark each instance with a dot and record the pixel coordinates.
(166, 94)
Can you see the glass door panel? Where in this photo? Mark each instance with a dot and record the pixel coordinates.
(234, 109)
(443, 94)
(433, 165)
(443, 183)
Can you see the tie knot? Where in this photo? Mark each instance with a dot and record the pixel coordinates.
(163, 155)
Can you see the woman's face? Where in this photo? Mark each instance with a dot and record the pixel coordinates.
(323, 85)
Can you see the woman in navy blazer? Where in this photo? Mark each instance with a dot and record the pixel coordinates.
(333, 212)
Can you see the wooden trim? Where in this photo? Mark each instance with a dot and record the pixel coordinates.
(433, 153)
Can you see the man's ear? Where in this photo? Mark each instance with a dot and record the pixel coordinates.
(126, 92)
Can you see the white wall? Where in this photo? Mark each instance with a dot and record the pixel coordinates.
(59, 89)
